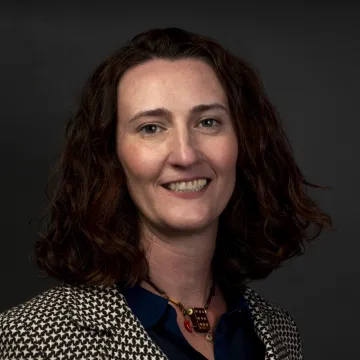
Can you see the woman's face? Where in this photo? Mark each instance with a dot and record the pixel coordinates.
(180, 157)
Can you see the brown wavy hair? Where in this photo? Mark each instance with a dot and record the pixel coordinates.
(91, 234)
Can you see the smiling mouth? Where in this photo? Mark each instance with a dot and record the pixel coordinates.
(187, 186)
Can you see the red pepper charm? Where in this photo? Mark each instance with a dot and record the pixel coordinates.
(187, 325)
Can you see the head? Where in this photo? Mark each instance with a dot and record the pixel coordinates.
(174, 126)
(171, 106)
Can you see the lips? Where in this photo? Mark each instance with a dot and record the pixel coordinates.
(189, 190)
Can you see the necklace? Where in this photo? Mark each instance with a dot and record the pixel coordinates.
(198, 317)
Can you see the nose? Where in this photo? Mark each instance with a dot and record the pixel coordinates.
(184, 150)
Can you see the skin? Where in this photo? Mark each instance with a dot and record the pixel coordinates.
(178, 234)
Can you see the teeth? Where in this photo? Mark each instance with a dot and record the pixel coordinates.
(195, 185)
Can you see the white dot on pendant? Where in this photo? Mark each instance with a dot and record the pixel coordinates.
(208, 337)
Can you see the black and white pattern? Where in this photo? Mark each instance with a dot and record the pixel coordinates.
(95, 322)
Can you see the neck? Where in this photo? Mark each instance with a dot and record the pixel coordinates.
(181, 265)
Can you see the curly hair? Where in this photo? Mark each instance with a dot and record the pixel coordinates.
(92, 233)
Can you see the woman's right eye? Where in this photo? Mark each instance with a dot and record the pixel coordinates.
(150, 129)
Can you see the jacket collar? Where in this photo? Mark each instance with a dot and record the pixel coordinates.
(112, 312)
(113, 308)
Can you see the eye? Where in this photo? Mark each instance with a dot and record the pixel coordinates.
(209, 123)
(150, 129)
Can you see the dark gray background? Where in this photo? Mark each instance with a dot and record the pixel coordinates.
(308, 56)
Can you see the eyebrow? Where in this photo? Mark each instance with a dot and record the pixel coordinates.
(158, 112)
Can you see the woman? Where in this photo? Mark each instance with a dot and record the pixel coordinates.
(177, 187)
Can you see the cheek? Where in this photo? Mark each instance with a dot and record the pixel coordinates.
(225, 154)
(139, 163)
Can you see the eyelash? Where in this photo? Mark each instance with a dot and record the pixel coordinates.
(141, 130)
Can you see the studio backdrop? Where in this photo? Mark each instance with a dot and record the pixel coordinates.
(308, 58)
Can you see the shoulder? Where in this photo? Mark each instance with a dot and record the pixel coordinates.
(70, 322)
(275, 322)
(21, 324)
(260, 303)
(32, 307)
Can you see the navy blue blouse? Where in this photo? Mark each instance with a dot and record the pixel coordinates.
(234, 338)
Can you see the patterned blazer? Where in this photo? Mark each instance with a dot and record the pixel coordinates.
(94, 322)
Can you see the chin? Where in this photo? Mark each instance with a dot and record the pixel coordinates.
(189, 224)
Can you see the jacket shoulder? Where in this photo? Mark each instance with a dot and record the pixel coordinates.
(17, 324)
(270, 318)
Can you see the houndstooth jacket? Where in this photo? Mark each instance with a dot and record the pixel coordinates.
(94, 322)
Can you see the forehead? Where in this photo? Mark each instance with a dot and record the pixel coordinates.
(178, 84)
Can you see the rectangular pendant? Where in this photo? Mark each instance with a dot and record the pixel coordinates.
(200, 320)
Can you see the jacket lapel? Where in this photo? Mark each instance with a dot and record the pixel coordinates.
(263, 314)
(104, 310)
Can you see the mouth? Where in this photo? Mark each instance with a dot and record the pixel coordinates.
(188, 186)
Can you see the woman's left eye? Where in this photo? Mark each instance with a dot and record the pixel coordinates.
(208, 123)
